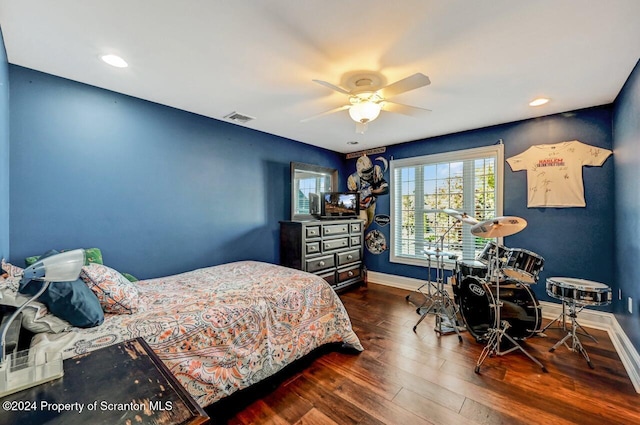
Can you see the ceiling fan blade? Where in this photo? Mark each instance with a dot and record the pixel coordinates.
(412, 111)
(331, 111)
(331, 86)
(410, 83)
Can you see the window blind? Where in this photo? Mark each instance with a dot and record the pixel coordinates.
(422, 187)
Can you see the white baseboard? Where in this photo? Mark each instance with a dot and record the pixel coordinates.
(588, 318)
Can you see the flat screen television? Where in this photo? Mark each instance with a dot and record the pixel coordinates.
(339, 205)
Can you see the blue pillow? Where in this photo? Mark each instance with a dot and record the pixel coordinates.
(71, 301)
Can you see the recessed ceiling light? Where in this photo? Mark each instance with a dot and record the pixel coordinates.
(352, 142)
(114, 60)
(539, 101)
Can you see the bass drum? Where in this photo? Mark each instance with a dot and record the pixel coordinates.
(520, 307)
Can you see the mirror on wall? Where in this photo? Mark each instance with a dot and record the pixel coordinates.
(307, 179)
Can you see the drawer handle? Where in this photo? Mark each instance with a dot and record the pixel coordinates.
(350, 273)
(321, 263)
(344, 243)
(349, 257)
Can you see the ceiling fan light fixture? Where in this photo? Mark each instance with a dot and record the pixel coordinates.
(364, 111)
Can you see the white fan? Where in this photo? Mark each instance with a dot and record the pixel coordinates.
(366, 102)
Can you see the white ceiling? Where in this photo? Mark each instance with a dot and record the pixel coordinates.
(486, 59)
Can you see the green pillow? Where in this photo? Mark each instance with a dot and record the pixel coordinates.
(91, 255)
(30, 260)
(129, 277)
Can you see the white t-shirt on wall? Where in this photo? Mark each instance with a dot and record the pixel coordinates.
(554, 172)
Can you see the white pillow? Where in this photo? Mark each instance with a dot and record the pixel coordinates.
(35, 317)
(116, 293)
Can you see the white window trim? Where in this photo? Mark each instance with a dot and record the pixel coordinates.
(497, 150)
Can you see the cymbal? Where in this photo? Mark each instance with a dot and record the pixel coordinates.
(499, 226)
(462, 216)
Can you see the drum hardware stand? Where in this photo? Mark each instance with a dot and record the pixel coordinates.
(428, 297)
(557, 319)
(442, 307)
(441, 302)
(500, 327)
(563, 315)
(576, 345)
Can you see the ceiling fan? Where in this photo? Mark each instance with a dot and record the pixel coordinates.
(366, 100)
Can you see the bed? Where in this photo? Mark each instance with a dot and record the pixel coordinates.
(220, 329)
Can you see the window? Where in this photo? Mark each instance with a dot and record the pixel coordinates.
(468, 181)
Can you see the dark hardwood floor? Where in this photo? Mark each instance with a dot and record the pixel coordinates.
(411, 378)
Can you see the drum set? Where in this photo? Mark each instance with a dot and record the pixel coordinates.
(492, 293)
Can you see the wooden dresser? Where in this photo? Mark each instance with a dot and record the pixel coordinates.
(331, 249)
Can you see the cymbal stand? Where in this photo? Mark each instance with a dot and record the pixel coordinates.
(442, 303)
(499, 330)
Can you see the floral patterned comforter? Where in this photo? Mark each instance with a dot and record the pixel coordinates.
(221, 329)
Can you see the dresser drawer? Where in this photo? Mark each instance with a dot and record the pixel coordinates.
(350, 273)
(312, 231)
(355, 240)
(329, 277)
(348, 257)
(335, 229)
(313, 247)
(320, 263)
(331, 244)
(356, 227)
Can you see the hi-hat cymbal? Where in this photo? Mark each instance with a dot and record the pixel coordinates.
(499, 226)
(462, 216)
(437, 253)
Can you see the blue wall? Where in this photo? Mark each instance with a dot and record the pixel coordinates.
(159, 190)
(626, 130)
(4, 151)
(575, 242)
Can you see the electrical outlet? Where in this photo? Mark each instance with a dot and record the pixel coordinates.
(630, 305)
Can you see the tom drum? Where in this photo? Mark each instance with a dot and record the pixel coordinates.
(471, 268)
(523, 265)
(493, 250)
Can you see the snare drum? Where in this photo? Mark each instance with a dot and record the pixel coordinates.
(580, 291)
(493, 250)
(523, 265)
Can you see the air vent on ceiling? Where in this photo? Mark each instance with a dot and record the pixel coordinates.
(239, 118)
